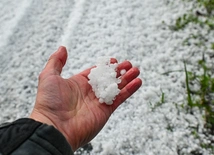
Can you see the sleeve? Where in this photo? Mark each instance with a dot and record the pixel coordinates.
(29, 137)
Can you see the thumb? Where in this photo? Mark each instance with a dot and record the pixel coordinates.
(55, 63)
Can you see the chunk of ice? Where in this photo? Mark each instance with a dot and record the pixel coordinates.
(123, 71)
(104, 82)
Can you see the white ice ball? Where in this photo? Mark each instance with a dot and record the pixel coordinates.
(104, 82)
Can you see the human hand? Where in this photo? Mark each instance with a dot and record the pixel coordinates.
(70, 104)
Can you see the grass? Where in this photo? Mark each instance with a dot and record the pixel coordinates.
(202, 97)
(161, 102)
(189, 97)
(205, 98)
(202, 18)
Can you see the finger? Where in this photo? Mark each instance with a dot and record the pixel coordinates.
(126, 92)
(87, 71)
(126, 65)
(55, 63)
(113, 61)
(128, 77)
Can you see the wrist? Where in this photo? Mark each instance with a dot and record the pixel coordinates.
(39, 117)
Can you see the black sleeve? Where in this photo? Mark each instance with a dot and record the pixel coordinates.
(28, 137)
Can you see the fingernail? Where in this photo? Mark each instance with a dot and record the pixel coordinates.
(60, 47)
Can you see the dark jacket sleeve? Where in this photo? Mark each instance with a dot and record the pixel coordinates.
(28, 137)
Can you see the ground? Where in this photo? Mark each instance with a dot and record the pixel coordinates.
(31, 30)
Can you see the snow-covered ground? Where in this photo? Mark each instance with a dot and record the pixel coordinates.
(133, 30)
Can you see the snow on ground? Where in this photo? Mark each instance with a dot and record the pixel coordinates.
(127, 30)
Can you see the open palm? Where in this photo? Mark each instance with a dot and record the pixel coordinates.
(70, 104)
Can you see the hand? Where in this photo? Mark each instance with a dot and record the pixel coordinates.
(70, 104)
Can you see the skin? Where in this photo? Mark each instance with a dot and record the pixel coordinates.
(70, 104)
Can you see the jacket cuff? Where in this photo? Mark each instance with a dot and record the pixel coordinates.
(27, 136)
